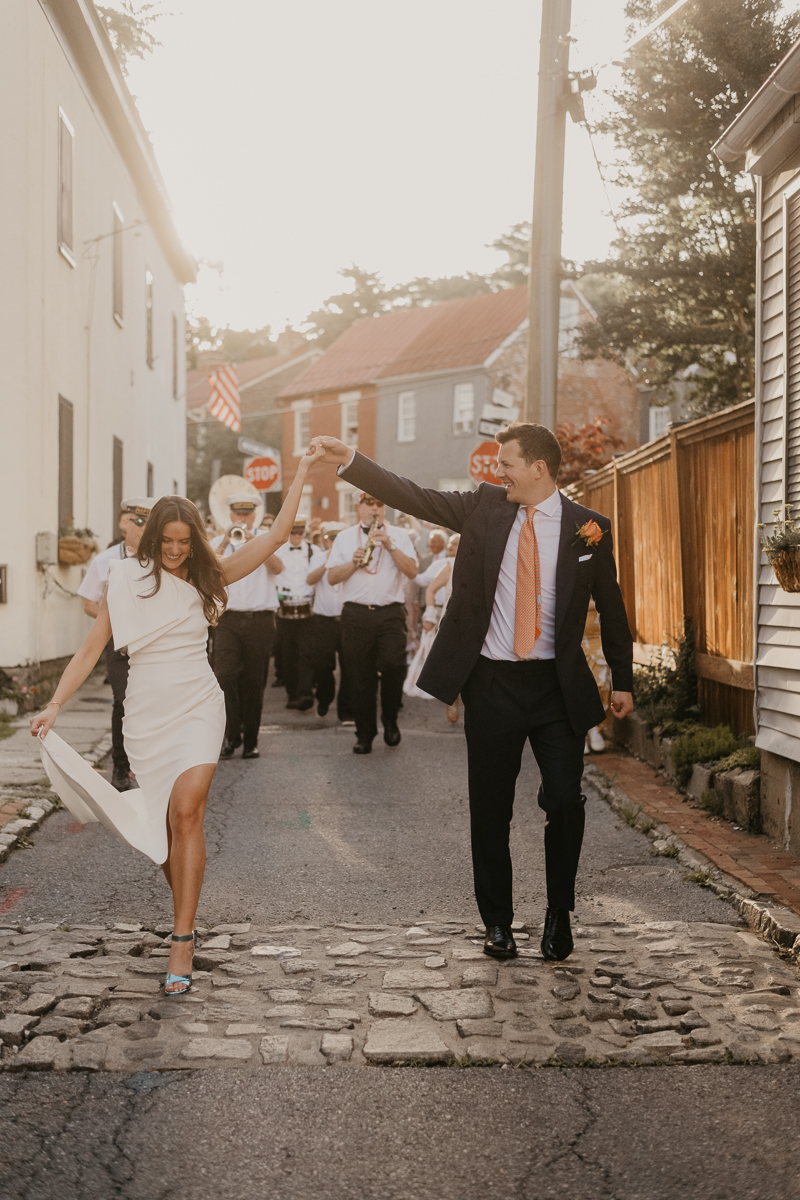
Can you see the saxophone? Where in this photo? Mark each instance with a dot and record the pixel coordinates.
(369, 547)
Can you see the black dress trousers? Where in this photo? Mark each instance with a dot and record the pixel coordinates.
(117, 669)
(505, 705)
(373, 641)
(242, 645)
(296, 663)
(319, 654)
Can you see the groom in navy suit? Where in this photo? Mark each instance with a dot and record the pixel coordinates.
(528, 562)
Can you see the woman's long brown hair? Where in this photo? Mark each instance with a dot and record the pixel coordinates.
(205, 572)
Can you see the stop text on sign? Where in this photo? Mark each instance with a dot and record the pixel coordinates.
(482, 463)
(264, 473)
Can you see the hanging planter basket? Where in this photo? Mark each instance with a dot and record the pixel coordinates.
(74, 551)
(786, 565)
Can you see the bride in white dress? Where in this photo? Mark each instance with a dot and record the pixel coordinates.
(159, 605)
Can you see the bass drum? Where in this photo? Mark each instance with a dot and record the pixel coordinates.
(226, 486)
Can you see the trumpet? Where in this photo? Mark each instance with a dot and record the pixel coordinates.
(369, 547)
(237, 535)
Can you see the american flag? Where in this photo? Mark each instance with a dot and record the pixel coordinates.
(224, 401)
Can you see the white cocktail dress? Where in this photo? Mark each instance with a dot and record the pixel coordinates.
(174, 709)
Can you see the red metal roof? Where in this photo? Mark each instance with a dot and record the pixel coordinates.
(418, 341)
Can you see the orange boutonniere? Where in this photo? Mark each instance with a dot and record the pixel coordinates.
(590, 533)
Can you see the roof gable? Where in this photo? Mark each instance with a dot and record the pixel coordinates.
(417, 341)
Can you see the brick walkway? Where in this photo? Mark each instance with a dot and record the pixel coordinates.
(750, 858)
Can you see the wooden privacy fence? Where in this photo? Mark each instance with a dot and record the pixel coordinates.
(682, 509)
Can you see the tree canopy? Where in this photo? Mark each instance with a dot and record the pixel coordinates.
(130, 28)
(684, 263)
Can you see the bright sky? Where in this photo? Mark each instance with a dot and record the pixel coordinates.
(299, 136)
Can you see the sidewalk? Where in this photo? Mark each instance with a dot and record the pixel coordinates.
(752, 860)
(25, 794)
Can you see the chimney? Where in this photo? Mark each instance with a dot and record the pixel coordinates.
(290, 341)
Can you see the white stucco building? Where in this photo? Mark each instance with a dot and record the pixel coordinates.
(92, 390)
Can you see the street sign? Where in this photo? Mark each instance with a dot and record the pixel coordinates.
(482, 461)
(264, 472)
(254, 449)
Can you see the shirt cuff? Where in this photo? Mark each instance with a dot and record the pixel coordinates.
(346, 466)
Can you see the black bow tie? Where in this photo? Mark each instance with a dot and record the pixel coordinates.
(366, 528)
(295, 547)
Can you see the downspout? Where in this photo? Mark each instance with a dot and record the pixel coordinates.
(758, 432)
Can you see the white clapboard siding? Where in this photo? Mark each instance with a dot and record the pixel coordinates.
(778, 701)
(778, 651)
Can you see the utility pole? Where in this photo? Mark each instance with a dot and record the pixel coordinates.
(548, 188)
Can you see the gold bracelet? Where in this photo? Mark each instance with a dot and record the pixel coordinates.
(56, 702)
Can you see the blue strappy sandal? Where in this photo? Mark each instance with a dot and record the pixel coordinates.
(187, 979)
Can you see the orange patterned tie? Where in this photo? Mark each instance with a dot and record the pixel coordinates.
(528, 612)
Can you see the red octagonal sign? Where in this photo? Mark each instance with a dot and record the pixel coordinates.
(482, 463)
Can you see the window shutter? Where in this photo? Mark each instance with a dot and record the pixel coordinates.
(66, 141)
(116, 485)
(792, 380)
(66, 507)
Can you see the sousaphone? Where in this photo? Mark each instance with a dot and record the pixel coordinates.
(225, 487)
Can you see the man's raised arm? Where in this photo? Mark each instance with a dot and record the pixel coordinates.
(442, 508)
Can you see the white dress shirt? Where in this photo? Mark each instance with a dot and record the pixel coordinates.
(94, 582)
(296, 566)
(499, 643)
(380, 583)
(328, 598)
(256, 592)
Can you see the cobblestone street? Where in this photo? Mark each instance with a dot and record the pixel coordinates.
(372, 960)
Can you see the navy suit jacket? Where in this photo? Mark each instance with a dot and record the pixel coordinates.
(484, 519)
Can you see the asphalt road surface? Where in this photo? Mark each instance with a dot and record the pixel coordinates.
(312, 832)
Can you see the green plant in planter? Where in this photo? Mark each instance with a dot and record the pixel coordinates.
(785, 532)
(664, 692)
(748, 757)
(704, 745)
(711, 802)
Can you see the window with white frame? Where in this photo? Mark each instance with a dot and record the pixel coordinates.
(304, 507)
(302, 426)
(463, 407)
(660, 417)
(349, 402)
(66, 201)
(407, 417)
(569, 315)
(348, 496)
(116, 265)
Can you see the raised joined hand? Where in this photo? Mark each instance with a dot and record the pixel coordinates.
(332, 450)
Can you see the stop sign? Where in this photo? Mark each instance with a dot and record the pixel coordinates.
(482, 463)
(264, 473)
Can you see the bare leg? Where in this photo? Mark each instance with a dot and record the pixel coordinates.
(187, 858)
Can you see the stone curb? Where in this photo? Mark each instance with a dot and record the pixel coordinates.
(773, 923)
(14, 833)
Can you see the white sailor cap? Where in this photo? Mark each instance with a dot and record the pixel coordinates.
(139, 506)
(331, 528)
(242, 502)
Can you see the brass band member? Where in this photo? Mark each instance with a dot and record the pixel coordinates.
(370, 559)
(296, 598)
(133, 515)
(325, 641)
(245, 635)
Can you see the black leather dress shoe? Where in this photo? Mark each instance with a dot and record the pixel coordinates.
(121, 779)
(557, 943)
(499, 942)
(304, 703)
(250, 752)
(322, 709)
(228, 748)
(362, 746)
(391, 734)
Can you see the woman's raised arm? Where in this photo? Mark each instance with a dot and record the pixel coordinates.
(259, 549)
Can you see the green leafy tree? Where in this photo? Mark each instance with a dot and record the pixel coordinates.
(235, 344)
(130, 28)
(685, 259)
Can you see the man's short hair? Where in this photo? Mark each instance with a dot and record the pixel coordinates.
(536, 443)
